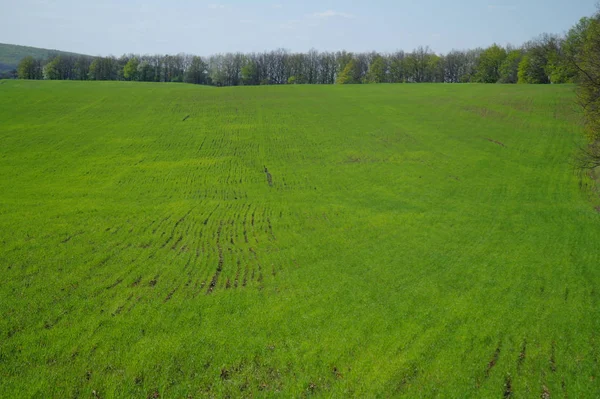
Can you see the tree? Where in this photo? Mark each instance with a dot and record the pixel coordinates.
(197, 71)
(531, 70)
(377, 71)
(350, 74)
(82, 67)
(396, 67)
(488, 66)
(509, 69)
(573, 46)
(29, 68)
(587, 63)
(51, 69)
(130, 70)
(250, 74)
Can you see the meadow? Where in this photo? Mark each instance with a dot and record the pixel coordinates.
(170, 240)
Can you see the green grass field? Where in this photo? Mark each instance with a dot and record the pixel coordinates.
(407, 240)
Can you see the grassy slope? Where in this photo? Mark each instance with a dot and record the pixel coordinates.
(12, 54)
(398, 250)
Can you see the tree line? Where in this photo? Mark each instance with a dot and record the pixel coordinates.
(546, 59)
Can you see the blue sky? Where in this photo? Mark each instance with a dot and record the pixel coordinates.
(116, 27)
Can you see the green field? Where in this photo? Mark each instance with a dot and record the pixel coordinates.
(407, 240)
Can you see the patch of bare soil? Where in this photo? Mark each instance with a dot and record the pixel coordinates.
(545, 393)
(495, 142)
(269, 177)
(493, 362)
(507, 387)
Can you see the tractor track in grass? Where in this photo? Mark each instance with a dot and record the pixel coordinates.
(215, 278)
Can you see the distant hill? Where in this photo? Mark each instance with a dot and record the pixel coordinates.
(12, 54)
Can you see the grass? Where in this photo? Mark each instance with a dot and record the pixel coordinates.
(415, 240)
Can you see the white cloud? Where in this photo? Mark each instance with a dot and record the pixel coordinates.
(332, 14)
(218, 6)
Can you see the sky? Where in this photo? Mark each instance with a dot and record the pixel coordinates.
(116, 27)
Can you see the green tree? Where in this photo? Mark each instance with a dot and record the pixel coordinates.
(130, 70)
(197, 72)
(51, 69)
(531, 70)
(587, 62)
(29, 68)
(509, 69)
(250, 75)
(350, 74)
(377, 70)
(488, 66)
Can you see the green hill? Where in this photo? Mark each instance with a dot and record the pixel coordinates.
(170, 240)
(11, 55)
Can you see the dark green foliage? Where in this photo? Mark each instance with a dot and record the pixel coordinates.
(587, 62)
(30, 68)
(130, 70)
(350, 74)
(197, 72)
(11, 55)
(489, 64)
(378, 71)
(250, 76)
(509, 69)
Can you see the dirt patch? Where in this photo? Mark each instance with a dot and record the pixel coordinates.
(545, 393)
(407, 378)
(269, 177)
(336, 373)
(553, 357)
(208, 217)
(215, 278)
(493, 362)
(237, 274)
(245, 280)
(136, 282)
(495, 142)
(118, 310)
(174, 247)
(507, 387)
(113, 285)
(270, 227)
(225, 375)
(170, 295)
(153, 282)
(521, 358)
(66, 240)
